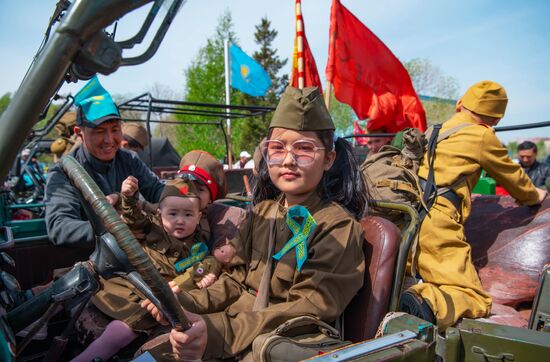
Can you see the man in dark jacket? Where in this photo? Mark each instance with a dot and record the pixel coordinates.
(98, 125)
(538, 172)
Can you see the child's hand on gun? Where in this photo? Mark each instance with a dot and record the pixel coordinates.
(129, 186)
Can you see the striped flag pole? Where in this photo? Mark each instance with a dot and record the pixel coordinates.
(300, 43)
(228, 101)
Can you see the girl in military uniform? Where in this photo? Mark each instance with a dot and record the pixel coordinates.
(299, 252)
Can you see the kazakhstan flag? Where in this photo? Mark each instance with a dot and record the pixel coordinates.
(246, 74)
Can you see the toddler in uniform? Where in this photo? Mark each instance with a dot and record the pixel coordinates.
(173, 243)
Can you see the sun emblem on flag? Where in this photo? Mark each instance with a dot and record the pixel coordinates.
(97, 99)
(245, 70)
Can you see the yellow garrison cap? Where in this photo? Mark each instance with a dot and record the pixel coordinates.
(486, 98)
(136, 132)
(302, 110)
(58, 146)
(179, 188)
(63, 127)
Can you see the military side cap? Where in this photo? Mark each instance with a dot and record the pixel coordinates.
(136, 132)
(486, 98)
(302, 110)
(204, 167)
(63, 126)
(58, 146)
(179, 188)
(94, 105)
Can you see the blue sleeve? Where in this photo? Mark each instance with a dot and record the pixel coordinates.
(65, 221)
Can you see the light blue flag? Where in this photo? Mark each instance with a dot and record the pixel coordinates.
(246, 74)
(95, 102)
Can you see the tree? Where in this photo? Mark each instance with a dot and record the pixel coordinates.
(342, 115)
(4, 102)
(429, 80)
(253, 129)
(205, 83)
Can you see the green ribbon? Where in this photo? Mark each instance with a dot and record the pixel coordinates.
(198, 252)
(301, 232)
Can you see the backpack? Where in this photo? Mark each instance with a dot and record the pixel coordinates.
(392, 174)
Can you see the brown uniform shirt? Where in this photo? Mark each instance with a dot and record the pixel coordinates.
(118, 298)
(330, 277)
(468, 151)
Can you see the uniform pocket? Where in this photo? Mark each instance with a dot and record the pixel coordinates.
(285, 270)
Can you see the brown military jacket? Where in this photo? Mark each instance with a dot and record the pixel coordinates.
(467, 152)
(330, 277)
(118, 298)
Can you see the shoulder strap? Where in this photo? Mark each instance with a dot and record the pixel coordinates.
(262, 297)
(448, 133)
(430, 187)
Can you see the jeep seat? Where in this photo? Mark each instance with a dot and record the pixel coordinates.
(370, 305)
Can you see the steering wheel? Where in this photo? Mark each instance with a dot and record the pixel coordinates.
(126, 241)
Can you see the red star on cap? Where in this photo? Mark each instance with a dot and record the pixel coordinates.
(184, 190)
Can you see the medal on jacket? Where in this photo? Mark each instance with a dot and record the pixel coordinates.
(198, 252)
(301, 232)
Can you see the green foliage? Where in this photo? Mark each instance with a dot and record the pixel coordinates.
(49, 115)
(254, 129)
(512, 149)
(4, 102)
(541, 153)
(206, 83)
(342, 115)
(429, 80)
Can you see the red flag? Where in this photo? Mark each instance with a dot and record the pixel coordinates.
(366, 75)
(358, 130)
(304, 70)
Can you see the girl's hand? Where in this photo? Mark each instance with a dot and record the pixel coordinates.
(207, 280)
(191, 344)
(129, 186)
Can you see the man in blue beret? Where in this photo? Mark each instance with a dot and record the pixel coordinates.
(98, 125)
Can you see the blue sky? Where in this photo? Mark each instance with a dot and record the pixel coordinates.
(506, 41)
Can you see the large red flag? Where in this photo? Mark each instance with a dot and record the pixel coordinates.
(304, 70)
(366, 75)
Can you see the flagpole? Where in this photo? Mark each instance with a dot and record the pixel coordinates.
(300, 44)
(328, 90)
(227, 103)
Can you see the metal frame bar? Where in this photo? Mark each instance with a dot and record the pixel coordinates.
(147, 103)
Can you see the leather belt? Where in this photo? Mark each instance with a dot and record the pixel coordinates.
(450, 195)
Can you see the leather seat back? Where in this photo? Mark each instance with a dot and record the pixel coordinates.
(370, 305)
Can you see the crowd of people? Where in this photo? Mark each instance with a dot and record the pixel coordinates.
(298, 250)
